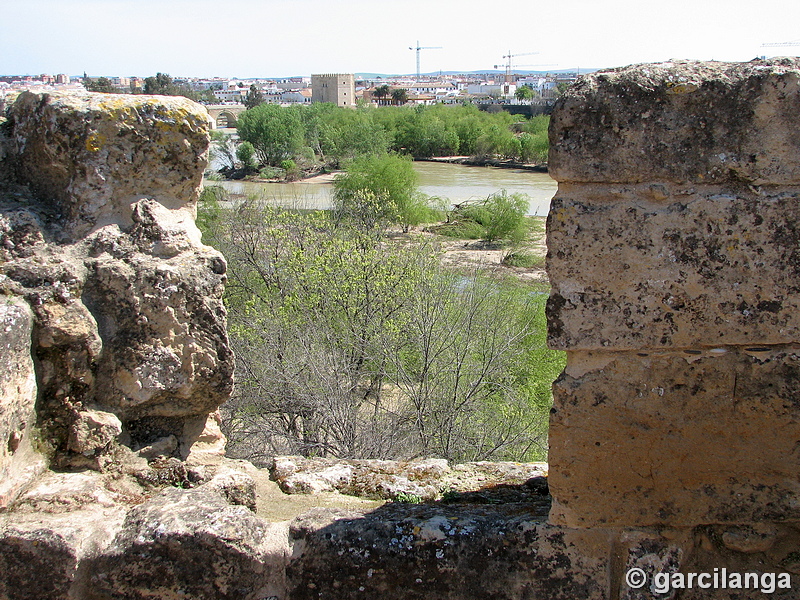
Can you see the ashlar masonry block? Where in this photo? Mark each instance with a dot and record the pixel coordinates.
(677, 439)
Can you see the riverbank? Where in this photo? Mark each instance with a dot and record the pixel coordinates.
(486, 161)
(455, 182)
(467, 161)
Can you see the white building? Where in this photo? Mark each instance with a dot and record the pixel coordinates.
(235, 95)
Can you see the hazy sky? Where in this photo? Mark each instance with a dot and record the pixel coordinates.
(263, 38)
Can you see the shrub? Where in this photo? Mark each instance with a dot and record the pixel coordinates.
(291, 170)
(380, 189)
(500, 216)
(270, 173)
(525, 260)
(350, 346)
(246, 153)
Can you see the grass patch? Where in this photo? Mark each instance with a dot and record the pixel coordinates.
(523, 259)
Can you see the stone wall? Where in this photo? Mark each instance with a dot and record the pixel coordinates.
(674, 256)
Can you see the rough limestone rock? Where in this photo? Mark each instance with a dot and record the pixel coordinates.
(193, 544)
(421, 552)
(428, 479)
(18, 460)
(674, 259)
(92, 157)
(681, 122)
(97, 203)
(77, 526)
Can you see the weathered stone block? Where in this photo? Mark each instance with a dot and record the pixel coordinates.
(97, 234)
(432, 551)
(165, 348)
(40, 554)
(649, 266)
(676, 438)
(698, 122)
(193, 544)
(90, 157)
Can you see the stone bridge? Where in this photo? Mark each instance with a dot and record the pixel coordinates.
(224, 115)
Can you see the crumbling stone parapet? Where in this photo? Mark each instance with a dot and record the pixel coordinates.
(675, 266)
(101, 257)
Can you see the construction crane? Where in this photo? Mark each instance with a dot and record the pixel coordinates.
(535, 65)
(509, 56)
(418, 48)
(780, 44)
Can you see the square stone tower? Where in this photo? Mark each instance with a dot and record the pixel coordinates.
(339, 88)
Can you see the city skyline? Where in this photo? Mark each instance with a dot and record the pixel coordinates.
(283, 38)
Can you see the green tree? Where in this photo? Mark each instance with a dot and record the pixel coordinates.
(314, 310)
(275, 132)
(346, 134)
(424, 133)
(524, 93)
(101, 84)
(352, 347)
(160, 84)
(468, 372)
(246, 153)
(378, 190)
(533, 149)
(254, 97)
(381, 93)
(561, 87)
(399, 96)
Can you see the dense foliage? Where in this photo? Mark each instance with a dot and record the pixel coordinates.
(500, 216)
(351, 345)
(380, 189)
(329, 134)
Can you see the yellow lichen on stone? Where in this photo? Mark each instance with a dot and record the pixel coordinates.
(682, 88)
(94, 142)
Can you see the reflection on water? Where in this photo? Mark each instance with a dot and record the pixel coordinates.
(455, 182)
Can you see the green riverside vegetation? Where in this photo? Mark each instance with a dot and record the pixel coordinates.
(324, 135)
(351, 343)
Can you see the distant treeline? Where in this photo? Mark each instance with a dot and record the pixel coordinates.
(160, 83)
(332, 134)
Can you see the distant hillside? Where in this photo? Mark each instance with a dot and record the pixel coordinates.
(583, 71)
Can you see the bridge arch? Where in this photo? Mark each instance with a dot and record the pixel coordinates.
(225, 119)
(224, 115)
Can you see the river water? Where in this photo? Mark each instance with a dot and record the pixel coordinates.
(454, 182)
